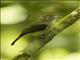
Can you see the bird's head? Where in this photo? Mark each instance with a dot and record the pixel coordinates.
(47, 18)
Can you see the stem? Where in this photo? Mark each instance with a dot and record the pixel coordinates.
(47, 35)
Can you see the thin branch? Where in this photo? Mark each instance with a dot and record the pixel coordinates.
(47, 35)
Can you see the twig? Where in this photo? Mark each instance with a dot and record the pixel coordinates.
(46, 36)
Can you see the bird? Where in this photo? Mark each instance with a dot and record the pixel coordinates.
(46, 20)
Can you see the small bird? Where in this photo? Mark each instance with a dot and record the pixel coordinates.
(46, 19)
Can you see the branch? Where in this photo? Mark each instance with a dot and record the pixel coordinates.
(47, 35)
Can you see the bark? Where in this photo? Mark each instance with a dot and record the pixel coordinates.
(47, 35)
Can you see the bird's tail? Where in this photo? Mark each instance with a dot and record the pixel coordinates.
(17, 39)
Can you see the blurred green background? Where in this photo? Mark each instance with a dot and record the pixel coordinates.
(16, 15)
